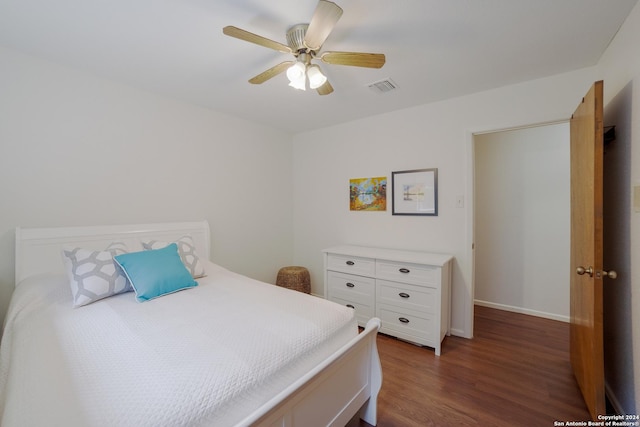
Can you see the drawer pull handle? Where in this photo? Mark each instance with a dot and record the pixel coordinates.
(350, 306)
(403, 319)
(350, 285)
(404, 295)
(350, 263)
(404, 270)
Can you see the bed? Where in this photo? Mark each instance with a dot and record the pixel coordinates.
(225, 351)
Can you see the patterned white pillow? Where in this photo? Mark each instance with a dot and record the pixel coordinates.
(93, 275)
(187, 251)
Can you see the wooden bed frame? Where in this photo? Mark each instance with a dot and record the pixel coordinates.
(343, 385)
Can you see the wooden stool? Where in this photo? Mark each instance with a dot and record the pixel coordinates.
(296, 278)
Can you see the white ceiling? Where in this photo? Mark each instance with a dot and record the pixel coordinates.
(435, 49)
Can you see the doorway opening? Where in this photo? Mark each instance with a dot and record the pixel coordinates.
(521, 220)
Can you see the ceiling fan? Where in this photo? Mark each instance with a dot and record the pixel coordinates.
(304, 41)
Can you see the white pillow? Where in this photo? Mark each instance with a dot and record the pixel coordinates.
(93, 275)
(187, 251)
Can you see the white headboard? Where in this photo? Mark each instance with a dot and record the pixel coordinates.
(38, 250)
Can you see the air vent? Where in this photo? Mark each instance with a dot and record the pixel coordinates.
(383, 86)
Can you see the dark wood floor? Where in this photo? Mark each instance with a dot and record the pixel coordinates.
(514, 372)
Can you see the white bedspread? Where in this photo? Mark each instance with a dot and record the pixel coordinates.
(209, 355)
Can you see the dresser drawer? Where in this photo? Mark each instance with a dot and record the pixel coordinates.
(408, 273)
(351, 287)
(406, 296)
(351, 264)
(364, 311)
(408, 325)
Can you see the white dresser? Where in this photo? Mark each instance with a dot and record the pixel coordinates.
(409, 291)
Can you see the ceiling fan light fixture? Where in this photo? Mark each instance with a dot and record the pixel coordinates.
(304, 42)
(316, 78)
(296, 72)
(299, 83)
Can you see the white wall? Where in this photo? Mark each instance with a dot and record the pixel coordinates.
(522, 220)
(434, 135)
(79, 150)
(619, 67)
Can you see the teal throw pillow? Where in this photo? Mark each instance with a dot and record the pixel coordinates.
(156, 272)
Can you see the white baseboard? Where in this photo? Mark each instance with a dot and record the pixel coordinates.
(459, 333)
(522, 310)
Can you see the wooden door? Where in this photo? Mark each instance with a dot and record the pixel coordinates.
(587, 353)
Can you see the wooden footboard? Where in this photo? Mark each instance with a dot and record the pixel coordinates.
(346, 383)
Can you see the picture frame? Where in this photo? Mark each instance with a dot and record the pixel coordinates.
(415, 192)
(368, 194)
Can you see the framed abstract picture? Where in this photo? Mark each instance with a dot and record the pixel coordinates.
(368, 194)
(415, 192)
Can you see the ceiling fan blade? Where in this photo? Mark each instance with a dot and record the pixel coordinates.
(254, 38)
(325, 89)
(271, 72)
(356, 59)
(324, 19)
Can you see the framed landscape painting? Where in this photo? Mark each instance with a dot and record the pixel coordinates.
(415, 192)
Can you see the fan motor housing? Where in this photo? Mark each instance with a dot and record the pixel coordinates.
(295, 38)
